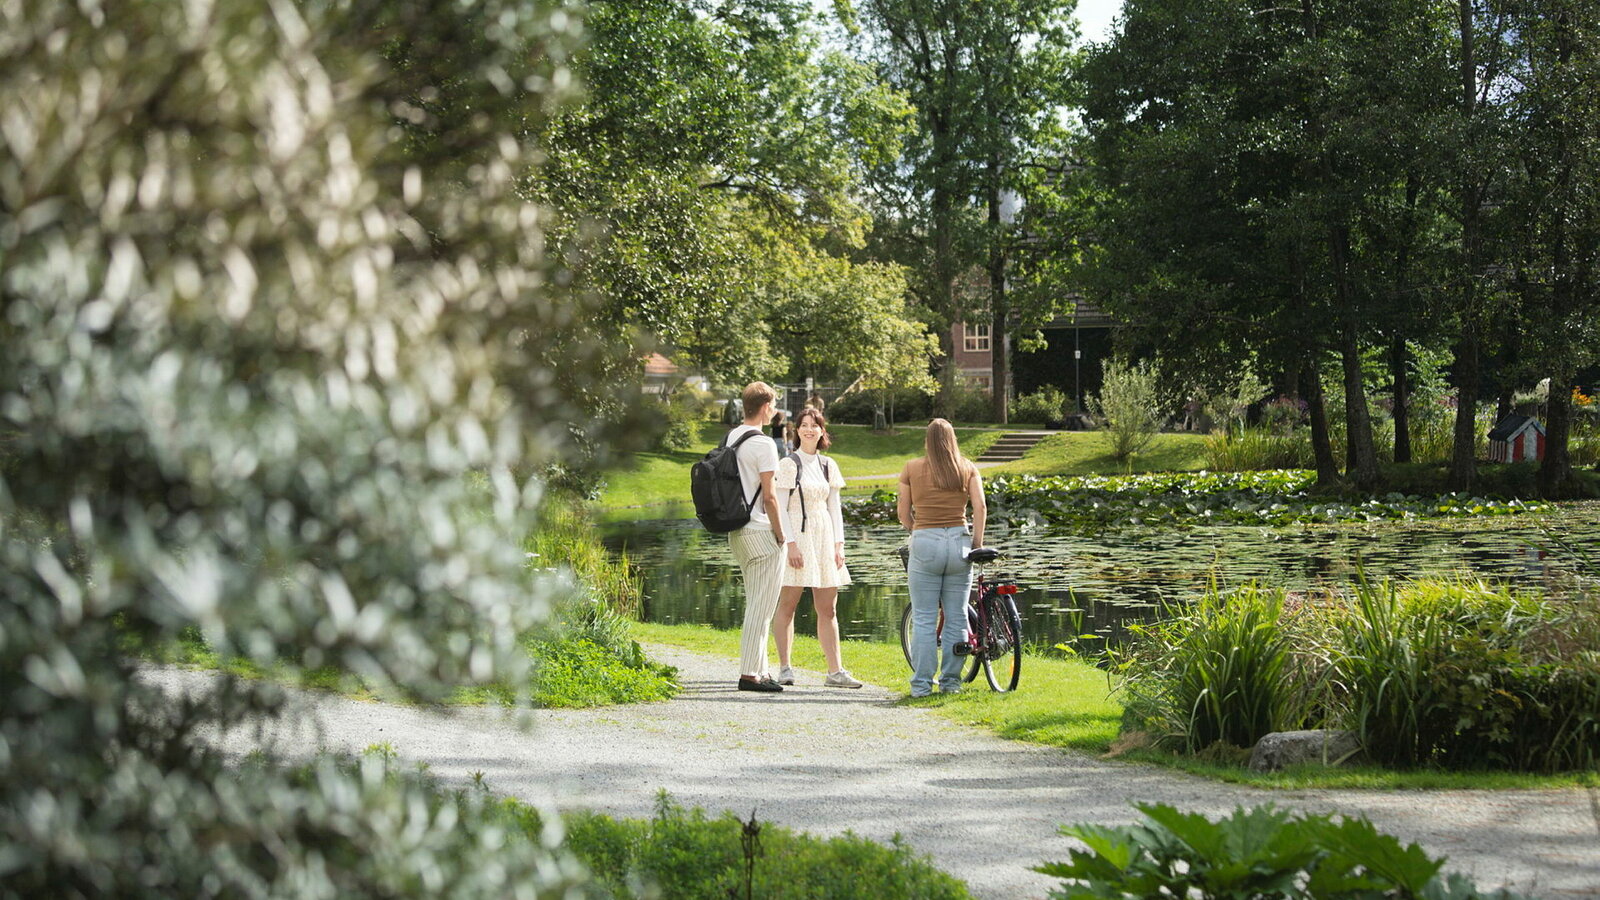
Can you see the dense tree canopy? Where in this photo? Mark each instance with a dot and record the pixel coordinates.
(1275, 183)
(719, 148)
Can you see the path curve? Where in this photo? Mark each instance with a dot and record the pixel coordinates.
(826, 760)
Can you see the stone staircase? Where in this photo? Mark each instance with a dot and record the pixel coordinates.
(1012, 446)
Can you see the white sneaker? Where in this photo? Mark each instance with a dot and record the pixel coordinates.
(786, 675)
(842, 679)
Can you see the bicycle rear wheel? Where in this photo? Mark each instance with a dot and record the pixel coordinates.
(905, 634)
(1002, 654)
(938, 641)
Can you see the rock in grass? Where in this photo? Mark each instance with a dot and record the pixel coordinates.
(1283, 749)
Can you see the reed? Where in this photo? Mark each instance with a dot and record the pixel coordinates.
(1219, 672)
(1253, 449)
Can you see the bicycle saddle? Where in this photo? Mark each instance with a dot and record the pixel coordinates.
(982, 555)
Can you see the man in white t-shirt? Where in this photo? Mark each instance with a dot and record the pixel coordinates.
(759, 546)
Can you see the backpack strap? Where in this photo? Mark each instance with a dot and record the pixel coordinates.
(736, 445)
(797, 472)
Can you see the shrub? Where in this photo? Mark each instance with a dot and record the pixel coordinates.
(970, 404)
(682, 412)
(858, 407)
(685, 854)
(286, 297)
(1464, 675)
(1047, 404)
(1218, 672)
(1129, 401)
(1257, 852)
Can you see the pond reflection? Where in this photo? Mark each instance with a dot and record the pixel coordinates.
(1097, 584)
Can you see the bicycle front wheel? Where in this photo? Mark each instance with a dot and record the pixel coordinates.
(1002, 656)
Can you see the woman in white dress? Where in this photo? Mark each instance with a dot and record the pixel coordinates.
(808, 485)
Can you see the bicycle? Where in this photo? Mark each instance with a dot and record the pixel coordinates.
(994, 627)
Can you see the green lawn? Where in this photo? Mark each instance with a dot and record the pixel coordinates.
(1067, 703)
(658, 478)
(1089, 453)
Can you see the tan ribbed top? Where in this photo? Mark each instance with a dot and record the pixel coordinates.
(931, 505)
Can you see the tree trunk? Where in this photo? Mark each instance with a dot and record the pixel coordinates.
(1363, 455)
(999, 308)
(1556, 478)
(944, 272)
(1464, 449)
(1464, 446)
(1399, 368)
(1321, 440)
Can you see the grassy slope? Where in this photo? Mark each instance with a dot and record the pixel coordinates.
(663, 477)
(1089, 453)
(1067, 703)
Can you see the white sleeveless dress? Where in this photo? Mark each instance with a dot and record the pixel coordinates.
(823, 523)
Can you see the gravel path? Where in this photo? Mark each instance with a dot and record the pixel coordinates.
(827, 760)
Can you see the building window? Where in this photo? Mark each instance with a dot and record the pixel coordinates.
(975, 338)
(983, 383)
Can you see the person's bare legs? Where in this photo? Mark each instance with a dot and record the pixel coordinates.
(783, 623)
(827, 625)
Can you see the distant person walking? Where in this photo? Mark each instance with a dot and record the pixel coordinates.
(780, 437)
(808, 486)
(758, 547)
(936, 491)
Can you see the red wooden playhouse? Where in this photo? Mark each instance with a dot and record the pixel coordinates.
(1516, 439)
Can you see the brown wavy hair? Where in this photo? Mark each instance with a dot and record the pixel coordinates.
(950, 470)
(810, 412)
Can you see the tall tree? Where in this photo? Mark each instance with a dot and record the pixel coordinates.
(983, 78)
(1556, 119)
(710, 130)
(1257, 156)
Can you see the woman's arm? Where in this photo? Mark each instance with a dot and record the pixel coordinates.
(980, 508)
(902, 505)
(836, 512)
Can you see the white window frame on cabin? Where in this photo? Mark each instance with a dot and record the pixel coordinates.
(975, 338)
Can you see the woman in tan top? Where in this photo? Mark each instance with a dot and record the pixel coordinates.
(935, 493)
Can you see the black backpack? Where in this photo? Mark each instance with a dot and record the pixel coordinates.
(718, 493)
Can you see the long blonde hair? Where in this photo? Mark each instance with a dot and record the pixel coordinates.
(950, 470)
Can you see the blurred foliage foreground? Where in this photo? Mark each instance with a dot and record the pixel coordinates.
(267, 293)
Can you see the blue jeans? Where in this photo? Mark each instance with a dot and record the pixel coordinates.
(940, 578)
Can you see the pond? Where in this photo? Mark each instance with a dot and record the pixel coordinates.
(1075, 584)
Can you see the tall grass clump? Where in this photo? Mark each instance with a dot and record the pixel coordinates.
(1254, 449)
(1466, 675)
(1218, 672)
(1450, 674)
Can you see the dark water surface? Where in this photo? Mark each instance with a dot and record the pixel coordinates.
(1096, 584)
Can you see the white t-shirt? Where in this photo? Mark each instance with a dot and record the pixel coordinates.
(756, 456)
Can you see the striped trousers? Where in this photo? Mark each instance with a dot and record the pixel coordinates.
(760, 560)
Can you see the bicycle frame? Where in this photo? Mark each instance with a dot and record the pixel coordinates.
(993, 630)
